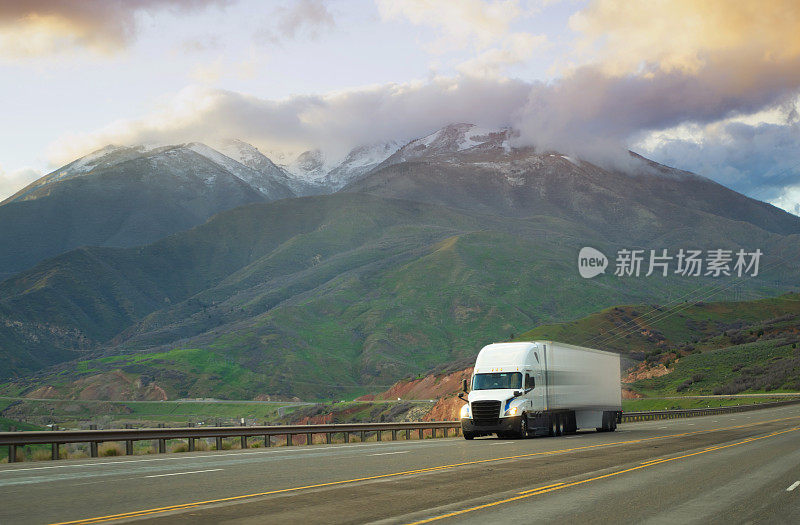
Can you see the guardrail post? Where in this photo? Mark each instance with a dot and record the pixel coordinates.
(162, 446)
(309, 439)
(394, 435)
(93, 444)
(191, 444)
(244, 442)
(379, 435)
(408, 434)
(288, 440)
(218, 442)
(12, 453)
(420, 433)
(54, 451)
(128, 447)
(347, 437)
(328, 438)
(267, 440)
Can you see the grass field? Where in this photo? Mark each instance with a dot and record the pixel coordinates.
(77, 414)
(645, 404)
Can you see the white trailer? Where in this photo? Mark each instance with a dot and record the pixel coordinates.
(541, 388)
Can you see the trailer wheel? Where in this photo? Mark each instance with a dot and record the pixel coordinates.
(560, 426)
(553, 427)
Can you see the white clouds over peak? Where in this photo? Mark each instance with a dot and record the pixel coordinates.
(335, 122)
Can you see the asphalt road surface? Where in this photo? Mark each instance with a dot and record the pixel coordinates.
(732, 468)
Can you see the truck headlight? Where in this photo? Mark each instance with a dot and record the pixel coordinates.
(465, 411)
(512, 411)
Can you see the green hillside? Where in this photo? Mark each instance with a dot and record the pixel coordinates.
(333, 296)
(708, 348)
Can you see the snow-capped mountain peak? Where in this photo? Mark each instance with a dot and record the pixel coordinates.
(452, 139)
(359, 161)
(249, 155)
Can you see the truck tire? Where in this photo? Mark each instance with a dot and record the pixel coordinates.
(560, 425)
(553, 427)
(523, 426)
(469, 435)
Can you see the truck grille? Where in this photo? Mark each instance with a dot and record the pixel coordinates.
(485, 412)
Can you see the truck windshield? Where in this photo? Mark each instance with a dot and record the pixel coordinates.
(497, 380)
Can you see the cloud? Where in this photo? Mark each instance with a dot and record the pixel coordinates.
(311, 16)
(658, 65)
(685, 35)
(589, 109)
(460, 23)
(11, 182)
(515, 48)
(789, 199)
(43, 27)
(306, 18)
(761, 160)
(336, 121)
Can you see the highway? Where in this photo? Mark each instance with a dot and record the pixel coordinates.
(736, 468)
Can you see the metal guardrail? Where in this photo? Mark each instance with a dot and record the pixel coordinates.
(56, 438)
(629, 417)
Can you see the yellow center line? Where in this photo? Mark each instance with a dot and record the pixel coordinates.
(541, 488)
(544, 490)
(183, 506)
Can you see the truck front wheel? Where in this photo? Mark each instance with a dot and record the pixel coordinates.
(469, 435)
(523, 426)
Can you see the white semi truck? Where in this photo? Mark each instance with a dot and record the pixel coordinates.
(541, 388)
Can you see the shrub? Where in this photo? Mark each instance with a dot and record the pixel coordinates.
(109, 449)
(41, 455)
(179, 447)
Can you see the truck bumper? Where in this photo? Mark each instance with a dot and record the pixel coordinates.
(504, 424)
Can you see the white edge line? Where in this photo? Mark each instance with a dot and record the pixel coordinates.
(793, 486)
(182, 473)
(264, 450)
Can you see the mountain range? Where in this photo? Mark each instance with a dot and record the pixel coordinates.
(218, 272)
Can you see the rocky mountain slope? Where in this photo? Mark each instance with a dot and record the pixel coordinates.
(465, 167)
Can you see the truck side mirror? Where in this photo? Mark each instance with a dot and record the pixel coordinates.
(517, 393)
(464, 385)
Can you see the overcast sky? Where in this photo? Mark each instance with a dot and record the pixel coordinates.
(708, 86)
